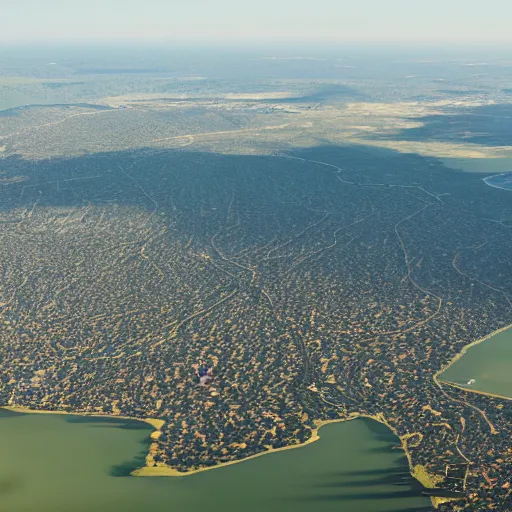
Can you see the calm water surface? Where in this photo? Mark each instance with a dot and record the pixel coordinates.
(53, 463)
(11, 99)
(503, 181)
(488, 363)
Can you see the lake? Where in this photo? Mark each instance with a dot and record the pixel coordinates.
(13, 98)
(503, 181)
(57, 463)
(488, 363)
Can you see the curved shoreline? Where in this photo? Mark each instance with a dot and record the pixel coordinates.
(169, 471)
(497, 186)
(477, 391)
(155, 423)
(463, 353)
(417, 472)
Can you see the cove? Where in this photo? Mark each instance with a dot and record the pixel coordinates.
(55, 463)
(503, 181)
(487, 364)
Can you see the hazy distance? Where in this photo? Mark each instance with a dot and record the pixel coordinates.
(435, 21)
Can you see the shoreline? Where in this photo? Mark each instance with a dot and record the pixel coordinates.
(445, 367)
(463, 353)
(155, 423)
(417, 472)
(477, 391)
(485, 180)
(150, 471)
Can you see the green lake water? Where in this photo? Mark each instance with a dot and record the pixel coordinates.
(11, 99)
(488, 363)
(54, 463)
(12, 96)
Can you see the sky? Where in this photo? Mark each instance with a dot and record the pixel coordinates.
(270, 21)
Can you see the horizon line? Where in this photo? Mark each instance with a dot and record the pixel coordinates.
(258, 42)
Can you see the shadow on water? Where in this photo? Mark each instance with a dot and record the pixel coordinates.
(413, 493)
(6, 413)
(422, 509)
(379, 430)
(390, 479)
(139, 460)
(383, 449)
(354, 485)
(442, 493)
(181, 183)
(374, 472)
(106, 421)
(10, 484)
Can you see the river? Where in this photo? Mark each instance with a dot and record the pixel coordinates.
(488, 364)
(56, 463)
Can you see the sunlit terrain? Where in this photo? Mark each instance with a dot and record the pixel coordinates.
(239, 246)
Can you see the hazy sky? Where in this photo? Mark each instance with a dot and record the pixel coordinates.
(257, 20)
